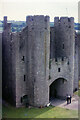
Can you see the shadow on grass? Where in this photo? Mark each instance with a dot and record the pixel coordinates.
(9, 111)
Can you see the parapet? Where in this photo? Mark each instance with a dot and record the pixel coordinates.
(5, 22)
(37, 17)
(5, 19)
(6, 25)
(63, 20)
(40, 21)
(60, 61)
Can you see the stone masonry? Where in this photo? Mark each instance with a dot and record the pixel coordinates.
(40, 62)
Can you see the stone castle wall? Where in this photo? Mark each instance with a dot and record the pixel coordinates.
(8, 70)
(38, 57)
(63, 54)
(76, 65)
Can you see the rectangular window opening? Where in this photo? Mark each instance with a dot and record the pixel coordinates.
(23, 58)
(24, 78)
(69, 26)
(68, 63)
(63, 46)
(62, 58)
(55, 59)
(58, 69)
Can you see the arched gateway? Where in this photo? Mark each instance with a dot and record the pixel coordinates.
(56, 89)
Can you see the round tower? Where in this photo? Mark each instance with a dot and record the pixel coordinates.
(63, 66)
(38, 57)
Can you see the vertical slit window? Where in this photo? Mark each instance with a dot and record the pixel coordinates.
(63, 46)
(23, 58)
(24, 77)
(58, 69)
(62, 58)
(55, 59)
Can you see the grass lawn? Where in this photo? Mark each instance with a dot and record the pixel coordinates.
(77, 93)
(49, 112)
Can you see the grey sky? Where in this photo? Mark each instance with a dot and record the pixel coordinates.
(19, 9)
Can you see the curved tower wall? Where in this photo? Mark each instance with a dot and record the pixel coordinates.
(64, 39)
(38, 57)
(76, 65)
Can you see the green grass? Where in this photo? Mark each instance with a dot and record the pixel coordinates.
(49, 112)
(77, 93)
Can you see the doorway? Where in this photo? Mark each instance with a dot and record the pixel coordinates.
(56, 88)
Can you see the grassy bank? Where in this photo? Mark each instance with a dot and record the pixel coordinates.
(49, 112)
(77, 93)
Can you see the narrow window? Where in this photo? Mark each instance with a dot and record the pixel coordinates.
(63, 46)
(23, 58)
(56, 60)
(68, 63)
(62, 58)
(69, 26)
(24, 77)
(20, 36)
(58, 69)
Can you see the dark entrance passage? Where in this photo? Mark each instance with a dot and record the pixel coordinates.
(56, 89)
(53, 92)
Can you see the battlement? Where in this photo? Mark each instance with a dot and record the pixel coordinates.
(64, 22)
(59, 61)
(37, 17)
(6, 24)
(64, 19)
(38, 22)
(5, 19)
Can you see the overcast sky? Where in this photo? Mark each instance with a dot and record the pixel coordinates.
(19, 9)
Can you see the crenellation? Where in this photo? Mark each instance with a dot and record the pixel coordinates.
(5, 22)
(60, 61)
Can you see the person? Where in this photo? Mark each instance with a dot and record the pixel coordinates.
(70, 98)
(67, 98)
